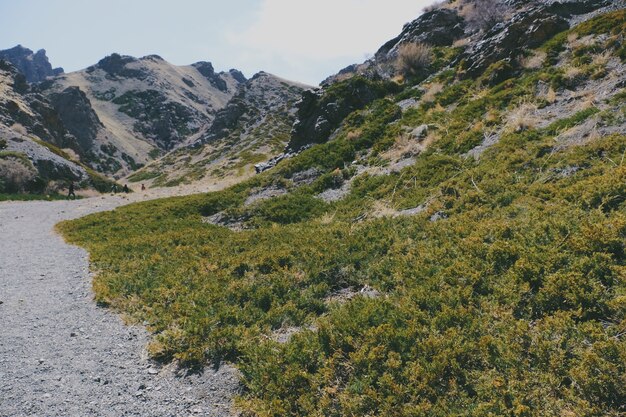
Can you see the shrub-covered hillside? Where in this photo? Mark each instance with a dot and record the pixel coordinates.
(456, 247)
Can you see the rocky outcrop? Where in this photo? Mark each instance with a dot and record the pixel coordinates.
(256, 100)
(115, 65)
(216, 80)
(78, 117)
(237, 76)
(533, 24)
(568, 8)
(27, 121)
(21, 105)
(439, 27)
(506, 40)
(264, 166)
(164, 121)
(320, 111)
(34, 66)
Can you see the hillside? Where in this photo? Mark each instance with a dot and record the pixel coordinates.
(29, 163)
(445, 234)
(253, 127)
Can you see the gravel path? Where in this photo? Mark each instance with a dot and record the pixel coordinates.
(60, 354)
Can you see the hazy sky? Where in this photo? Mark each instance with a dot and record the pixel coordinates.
(302, 40)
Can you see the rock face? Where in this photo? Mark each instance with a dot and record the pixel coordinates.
(206, 69)
(568, 8)
(78, 117)
(439, 27)
(527, 29)
(259, 98)
(34, 66)
(27, 121)
(21, 105)
(532, 22)
(320, 111)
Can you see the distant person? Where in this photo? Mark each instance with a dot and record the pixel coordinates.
(126, 190)
(143, 187)
(70, 192)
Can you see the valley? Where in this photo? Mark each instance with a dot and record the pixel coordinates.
(439, 230)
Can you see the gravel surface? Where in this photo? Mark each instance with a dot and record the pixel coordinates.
(60, 354)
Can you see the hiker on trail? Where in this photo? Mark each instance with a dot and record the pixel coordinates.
(143, 187)
(71, 192)
(126, 190)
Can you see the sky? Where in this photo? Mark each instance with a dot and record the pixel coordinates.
(301, 40)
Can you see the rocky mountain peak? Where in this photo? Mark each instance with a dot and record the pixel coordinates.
(237, 75)
(206, 69)
(115, 65)
(34, 66)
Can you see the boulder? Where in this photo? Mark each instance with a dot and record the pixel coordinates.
(419, 132)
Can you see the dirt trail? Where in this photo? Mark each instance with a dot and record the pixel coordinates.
(60, 354)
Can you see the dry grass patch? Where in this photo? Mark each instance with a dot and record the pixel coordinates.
(413, 58)
(383, 209)
(522, 118)
(431, 92)
(533, 61)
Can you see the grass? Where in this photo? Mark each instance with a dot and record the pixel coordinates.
(505, 296)
(144, 175)
(31, 197)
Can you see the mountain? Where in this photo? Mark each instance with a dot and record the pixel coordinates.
(124, 112)
(34, 66)
(139, 107)
(445, 235)
(29, 127)
(253, 127)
